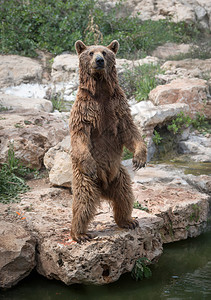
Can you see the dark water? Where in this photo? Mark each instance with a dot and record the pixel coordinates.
(183, 272)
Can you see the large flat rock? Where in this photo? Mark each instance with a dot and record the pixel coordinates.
(112, 251)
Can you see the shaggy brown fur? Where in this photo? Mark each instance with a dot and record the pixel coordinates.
(101, 124)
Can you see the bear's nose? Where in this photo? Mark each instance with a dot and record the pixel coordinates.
(99, 61)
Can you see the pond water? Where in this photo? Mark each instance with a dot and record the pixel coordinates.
(183, 272)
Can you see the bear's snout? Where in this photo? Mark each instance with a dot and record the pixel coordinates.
(99, 61)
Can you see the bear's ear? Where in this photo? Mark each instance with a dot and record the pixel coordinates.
(114, 46)
(80, 47)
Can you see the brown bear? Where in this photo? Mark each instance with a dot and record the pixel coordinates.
(100, 125)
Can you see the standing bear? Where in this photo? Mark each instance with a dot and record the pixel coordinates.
(100, 125)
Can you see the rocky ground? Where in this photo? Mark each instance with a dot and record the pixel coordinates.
(35, 233)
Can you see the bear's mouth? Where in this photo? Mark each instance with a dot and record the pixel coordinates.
(98, 68)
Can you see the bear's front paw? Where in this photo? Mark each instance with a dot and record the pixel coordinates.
(139, 159)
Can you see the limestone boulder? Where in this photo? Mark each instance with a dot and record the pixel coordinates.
(197, 147)
(193, 92)
(171, 49)
(15, 102)
(15, 69)
(165, 192)
(58, 162)
(202, 183)
(65, 68)
(109, 255)
(188, 68)
(146, 114)
(17, 253)
(31, 133)
(111, 252)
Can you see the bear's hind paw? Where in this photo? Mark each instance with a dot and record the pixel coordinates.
(130, 224)
(82, 238)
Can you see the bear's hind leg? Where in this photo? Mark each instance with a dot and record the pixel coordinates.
(122, 199)
(85, 200)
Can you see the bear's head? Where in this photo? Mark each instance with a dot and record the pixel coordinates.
(97, 61)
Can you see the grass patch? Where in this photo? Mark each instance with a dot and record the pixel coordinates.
(11, 185)
(140, 80)
(58, 102)
(55, 25)
(12, 178)
(137, 205)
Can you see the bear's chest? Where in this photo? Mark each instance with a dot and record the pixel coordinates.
(103, 118)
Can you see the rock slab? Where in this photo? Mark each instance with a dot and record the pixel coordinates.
(17, 254)
(193, 92)
(17, 103)
(57, 160)
(111, 252)
(31, 133)
(15, 69)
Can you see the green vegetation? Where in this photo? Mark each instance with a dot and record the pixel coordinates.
(166, 138)
(55, 25)
(12, 174)
(137, 205)
(58, 102)
(157, 138)
(3, 108)
(183, 121)
(140, 270)
(140, 80)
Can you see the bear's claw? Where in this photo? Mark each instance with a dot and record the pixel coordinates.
(132, 224)
(138, 165)
(82, 238)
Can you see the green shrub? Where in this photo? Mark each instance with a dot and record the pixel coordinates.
(12, 174)
(180, 122)
(199, 122)
(140, 80)
(156, 138)
(140, 270)
(55, 25)
(10, 185)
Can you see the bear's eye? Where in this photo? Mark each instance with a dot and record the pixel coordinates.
(91, 53)
(104, 53)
